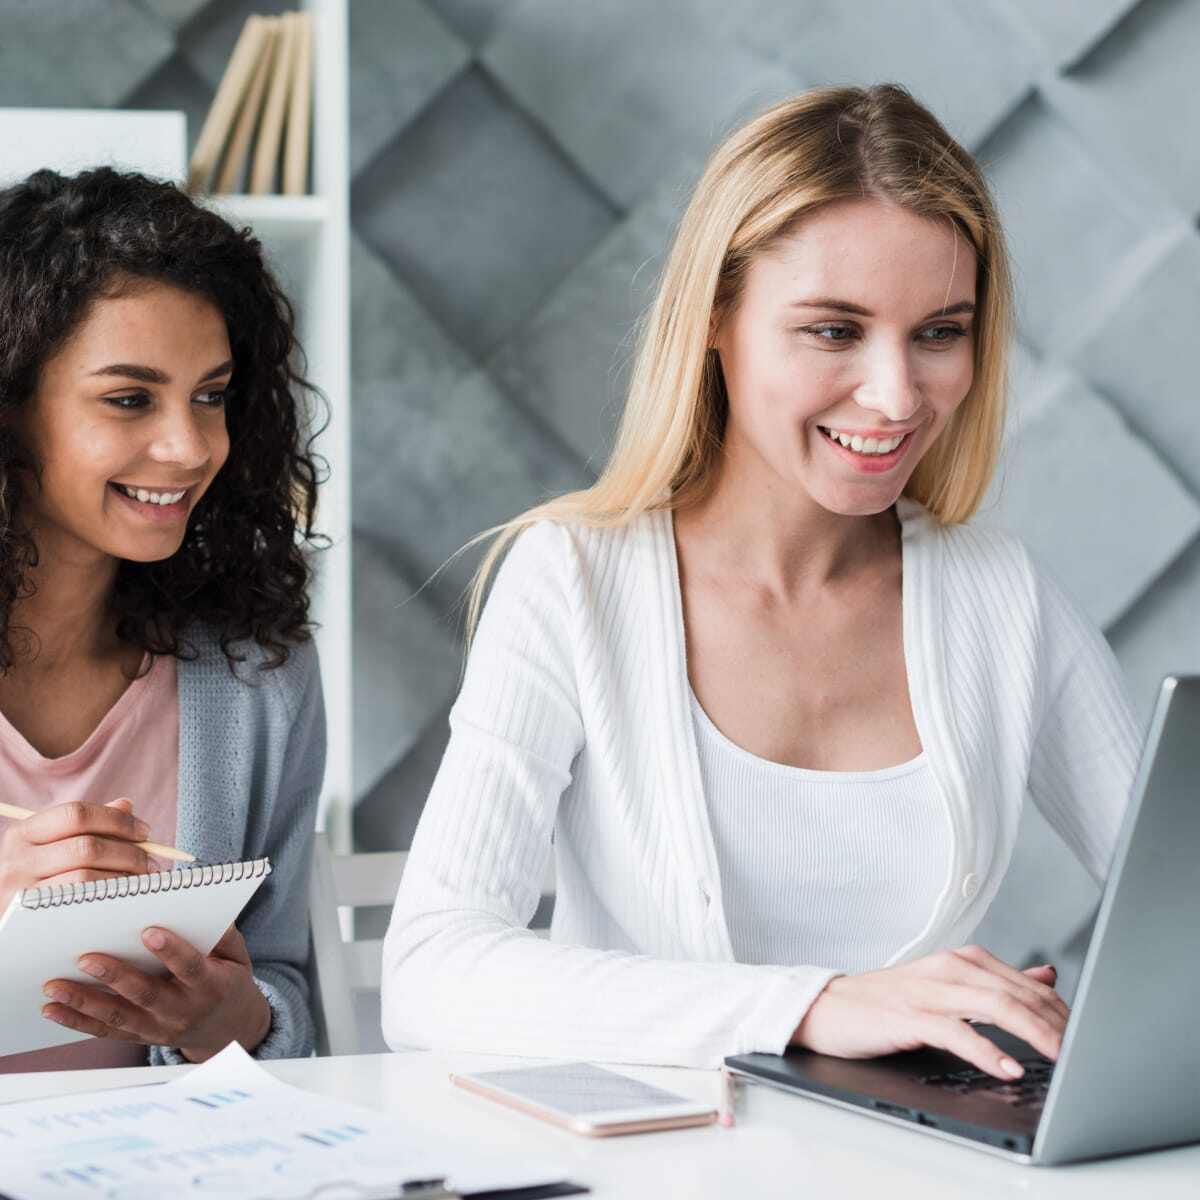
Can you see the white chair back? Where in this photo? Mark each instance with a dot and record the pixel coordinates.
(345, 974)
(340, 969)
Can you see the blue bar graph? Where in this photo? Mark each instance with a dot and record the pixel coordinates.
(333, 1137)
(220, 1099)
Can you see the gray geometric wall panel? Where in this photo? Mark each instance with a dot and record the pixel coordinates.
(964, 60)
(626, 87)
(409, 205)
(580, 342)
(1069, 224)
(401, 52)
(395, 630)
(41, 67)
(1162, 635)
(1142, 353)
(1136, 95)
(518, 168)
(1064, 29)
(1074, 472)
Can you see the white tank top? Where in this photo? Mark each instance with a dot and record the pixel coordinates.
(826, 868)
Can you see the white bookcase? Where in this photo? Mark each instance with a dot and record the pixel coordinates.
(307, 240)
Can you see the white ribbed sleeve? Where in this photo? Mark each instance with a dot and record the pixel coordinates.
(1085, 749)
(461, 971)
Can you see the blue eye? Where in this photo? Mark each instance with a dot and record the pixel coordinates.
(830, 333)
(948, 333)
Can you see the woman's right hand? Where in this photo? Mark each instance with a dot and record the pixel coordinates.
(929, 1002)
(70, 843)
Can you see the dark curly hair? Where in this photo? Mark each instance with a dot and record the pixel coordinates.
(243, 569)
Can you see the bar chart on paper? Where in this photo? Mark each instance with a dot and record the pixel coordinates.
(228, 1128)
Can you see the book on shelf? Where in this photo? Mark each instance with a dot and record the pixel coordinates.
(260, 122)
(238, 151)
(299, 116)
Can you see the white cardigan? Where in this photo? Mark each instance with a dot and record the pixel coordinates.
(574, 721)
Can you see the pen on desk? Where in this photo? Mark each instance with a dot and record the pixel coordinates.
(154, 848)
(728, 1099)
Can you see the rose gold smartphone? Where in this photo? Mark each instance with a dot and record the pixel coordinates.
(587, 1099)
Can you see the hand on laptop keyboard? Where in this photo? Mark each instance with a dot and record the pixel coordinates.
(929, 1002)
(1027, 1092)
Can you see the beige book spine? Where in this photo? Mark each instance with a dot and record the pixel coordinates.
(225, 104)
(239, 144)
(299, 119)
(264, 170)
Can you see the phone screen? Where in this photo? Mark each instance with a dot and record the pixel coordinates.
(579, 1089)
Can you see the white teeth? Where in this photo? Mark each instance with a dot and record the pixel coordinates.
(861, 445)
(149, 497)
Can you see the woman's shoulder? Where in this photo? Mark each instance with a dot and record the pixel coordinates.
(973, 556)
(987, 568)
(249, 678)
(551, 549)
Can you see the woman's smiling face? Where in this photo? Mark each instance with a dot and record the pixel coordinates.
(857, 327)
(127, 425)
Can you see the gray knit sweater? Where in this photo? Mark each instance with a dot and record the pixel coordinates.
(251, 762)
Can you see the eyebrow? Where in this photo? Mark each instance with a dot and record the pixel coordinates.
(963, 306)
(154, 375)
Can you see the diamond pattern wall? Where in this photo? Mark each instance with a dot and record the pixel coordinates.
(482, 268)
(1070, 225)
(518, 166)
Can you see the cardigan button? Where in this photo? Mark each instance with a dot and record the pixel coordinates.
(970, 886)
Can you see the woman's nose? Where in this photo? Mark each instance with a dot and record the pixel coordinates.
(180, 440)
(888, 386)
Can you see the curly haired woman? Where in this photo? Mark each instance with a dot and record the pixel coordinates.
(157, 676)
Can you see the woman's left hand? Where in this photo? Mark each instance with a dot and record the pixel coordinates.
(202, 1005)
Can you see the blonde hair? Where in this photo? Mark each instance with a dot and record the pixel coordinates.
(824, 145)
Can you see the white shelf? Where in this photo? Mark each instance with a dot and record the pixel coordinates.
(325, 333)
(68, 140)
(283, 217)
(307, 242)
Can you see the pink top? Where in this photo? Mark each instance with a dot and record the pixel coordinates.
(133, 752)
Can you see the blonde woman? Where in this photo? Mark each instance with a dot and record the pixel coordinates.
(776, 703)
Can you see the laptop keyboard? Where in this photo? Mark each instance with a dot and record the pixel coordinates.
(1027, 1092)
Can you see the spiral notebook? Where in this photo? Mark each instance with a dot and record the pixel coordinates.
(46, 929)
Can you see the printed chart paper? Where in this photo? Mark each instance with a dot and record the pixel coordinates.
(229, 1128)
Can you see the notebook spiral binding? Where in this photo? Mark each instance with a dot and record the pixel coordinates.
(58, 894)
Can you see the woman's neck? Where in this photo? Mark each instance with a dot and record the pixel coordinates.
(755, 526)
(69, 606)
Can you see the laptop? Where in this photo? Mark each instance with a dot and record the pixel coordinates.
(1128, 1072)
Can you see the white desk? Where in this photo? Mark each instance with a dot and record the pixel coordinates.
(782, 1145)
